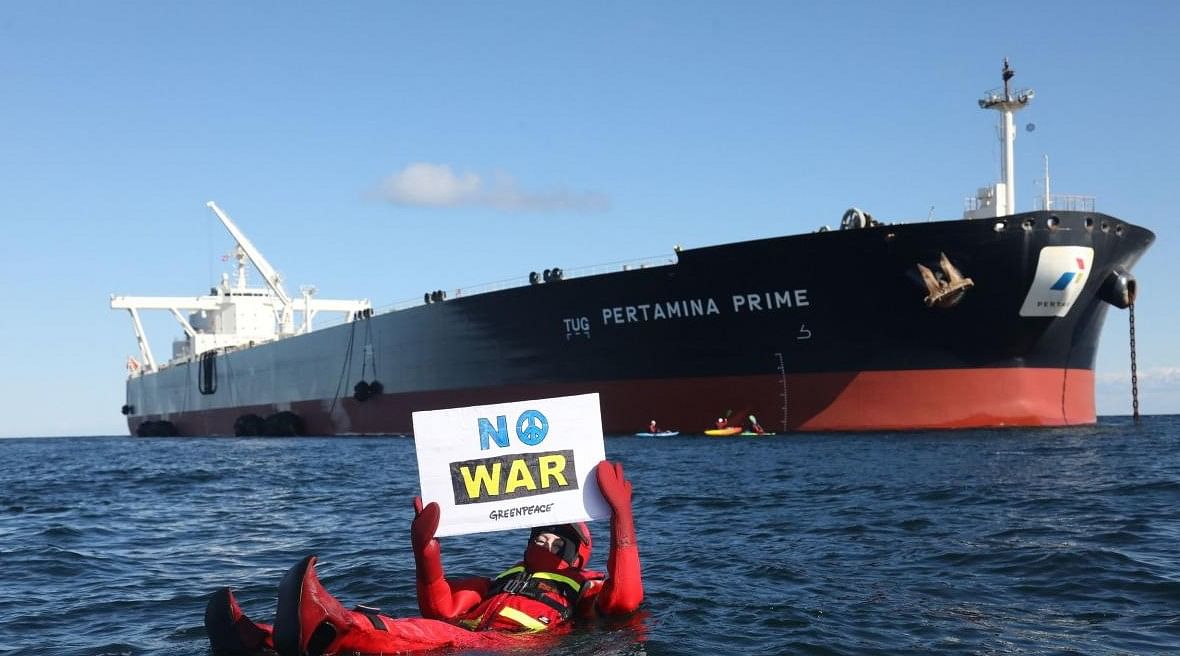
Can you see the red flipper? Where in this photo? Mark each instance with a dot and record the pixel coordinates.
(230, 631)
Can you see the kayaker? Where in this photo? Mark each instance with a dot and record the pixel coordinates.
(755, 427)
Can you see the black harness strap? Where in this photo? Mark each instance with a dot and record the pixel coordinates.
(372, 614)
(527, 585)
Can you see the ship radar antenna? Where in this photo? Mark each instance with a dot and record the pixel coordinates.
(1007, 102)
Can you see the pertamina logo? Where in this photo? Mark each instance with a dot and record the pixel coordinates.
(1070, 276)
(1061, 275)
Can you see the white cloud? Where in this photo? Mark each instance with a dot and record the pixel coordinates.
(1158, 376)
(430, 184)
(1159, 391)
(422, 184)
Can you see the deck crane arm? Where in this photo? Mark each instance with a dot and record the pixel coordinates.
(269, 273)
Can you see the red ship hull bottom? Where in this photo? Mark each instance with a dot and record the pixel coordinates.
(961, 398)
(855, 401)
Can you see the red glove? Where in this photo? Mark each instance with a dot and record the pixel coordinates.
(623, 590)
(615, 489)
(617, 492)
(425, 524)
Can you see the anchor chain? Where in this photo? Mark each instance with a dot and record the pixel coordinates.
(1134, 368)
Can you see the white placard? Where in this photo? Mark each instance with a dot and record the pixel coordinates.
(512, 465)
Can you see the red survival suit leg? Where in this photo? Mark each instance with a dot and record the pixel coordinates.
(311, 622)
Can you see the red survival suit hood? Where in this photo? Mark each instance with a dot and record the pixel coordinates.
(575, 553)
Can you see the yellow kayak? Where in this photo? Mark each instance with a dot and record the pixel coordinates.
(722, 432)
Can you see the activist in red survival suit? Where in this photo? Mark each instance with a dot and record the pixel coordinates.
(546, 589)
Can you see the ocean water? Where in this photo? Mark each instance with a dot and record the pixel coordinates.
(1054, 541)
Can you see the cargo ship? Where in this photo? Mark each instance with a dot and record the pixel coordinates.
(988, 320)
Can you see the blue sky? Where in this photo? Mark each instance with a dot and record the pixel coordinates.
(381, 149)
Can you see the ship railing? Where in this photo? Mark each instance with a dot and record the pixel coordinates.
(994, 96)
(523, 281)
(1066, 203)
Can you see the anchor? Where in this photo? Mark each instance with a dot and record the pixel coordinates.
(947, 289)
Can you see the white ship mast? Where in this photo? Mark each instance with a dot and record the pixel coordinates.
(1046, 198)
(233, 316)
(1000, 199)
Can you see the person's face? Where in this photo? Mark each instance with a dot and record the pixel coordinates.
(551, 541)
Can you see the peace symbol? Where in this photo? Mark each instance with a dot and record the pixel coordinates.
(532, 427)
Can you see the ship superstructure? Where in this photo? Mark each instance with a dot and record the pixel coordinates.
(233, 315)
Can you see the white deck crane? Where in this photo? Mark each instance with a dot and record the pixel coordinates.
(269, 274)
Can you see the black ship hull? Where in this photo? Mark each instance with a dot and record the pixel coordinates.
(822, 331)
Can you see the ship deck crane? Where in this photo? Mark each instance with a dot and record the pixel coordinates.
(269, 273)
(234, 315)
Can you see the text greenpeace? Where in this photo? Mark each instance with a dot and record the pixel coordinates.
(520, 511)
